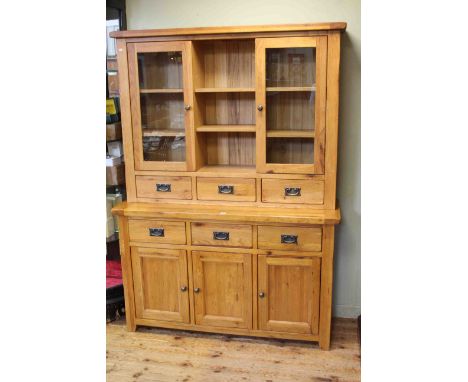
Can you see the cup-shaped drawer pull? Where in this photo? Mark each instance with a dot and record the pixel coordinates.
(163, 187)
(220, 235)
(158, 232)
(292, 191)
(225, 189)
(289, 239)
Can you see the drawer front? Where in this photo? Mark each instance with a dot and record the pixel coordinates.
(290, 238)
(224, 235)
(233, 189)
(157, 231)
(164, 187)
(304, 191)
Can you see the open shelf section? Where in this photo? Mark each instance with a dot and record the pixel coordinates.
(291, 89)
(163, 133)
(290, 134)
(224, 90)
(226, 129)
(159, 91)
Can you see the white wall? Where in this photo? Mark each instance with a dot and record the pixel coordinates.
(145, 14)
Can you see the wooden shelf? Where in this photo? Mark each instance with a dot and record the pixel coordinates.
(223, 169)
(291, 89)
(226, 129)
(290, 134)
(161, 91)
(224, 90)
(163, 133)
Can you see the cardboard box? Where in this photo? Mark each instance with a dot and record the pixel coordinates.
(113, 131)
(115, 148)
(113, 161)
(115, 175)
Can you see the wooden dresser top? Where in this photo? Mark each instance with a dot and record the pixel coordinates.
(337, 26)
(228, 213)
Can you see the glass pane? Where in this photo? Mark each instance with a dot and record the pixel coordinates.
(290, 150)
(161, 149)
(290, 105)
(162, 106)
(160, 70)
(290, 67)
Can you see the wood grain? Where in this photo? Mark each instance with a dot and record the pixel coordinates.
(291, 289)
(167, 356)
(174, 231)
(230, 29)
(240, 235)
(158, 276)
(308, 238)
(274, 191)
(243, 189)
(225, 283)
(181, 187)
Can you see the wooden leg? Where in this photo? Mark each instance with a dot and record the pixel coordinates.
(127, 274)
(326, 286)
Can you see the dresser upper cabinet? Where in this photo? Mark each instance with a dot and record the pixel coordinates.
(161, 100)
(291, 103)
(257, 104)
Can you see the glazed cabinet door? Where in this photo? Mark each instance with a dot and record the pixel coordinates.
(291, 103)
(161, 99)
(160, 284)
(222, 289)
(288, 294)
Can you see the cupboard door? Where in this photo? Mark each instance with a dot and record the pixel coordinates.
(288, 294)
(161, 100)
(291, 103)
(160, 284)
(223, 289)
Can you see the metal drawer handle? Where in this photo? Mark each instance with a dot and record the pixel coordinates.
(292, 191)
(163, 187)
(225, 189)
(220, 235)
(289, 239)
(159, 232)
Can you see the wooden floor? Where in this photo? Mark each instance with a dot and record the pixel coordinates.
(165, 355)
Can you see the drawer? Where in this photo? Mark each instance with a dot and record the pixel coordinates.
(233, 189)
(306, 191)
(157, 231)
(290, 238)
(164, 187)
(224, 235)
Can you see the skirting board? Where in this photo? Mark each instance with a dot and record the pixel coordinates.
(346, 311)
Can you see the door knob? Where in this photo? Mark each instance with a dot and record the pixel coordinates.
(184, 288)
(261, 294)
(197, 290)
(260, 107)
(188, 107)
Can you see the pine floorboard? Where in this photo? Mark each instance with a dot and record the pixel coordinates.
(160, 355)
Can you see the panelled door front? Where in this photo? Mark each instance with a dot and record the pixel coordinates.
(288, 294)
(223, 289)
(161, 99)
(160, 284)
(291, 104)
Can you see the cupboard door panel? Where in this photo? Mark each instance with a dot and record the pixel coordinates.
(223, 289)
(288, 294)
(291, 97)
(161, 284)
(160, 89)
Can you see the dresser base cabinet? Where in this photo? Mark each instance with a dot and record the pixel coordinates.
(225, 285)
